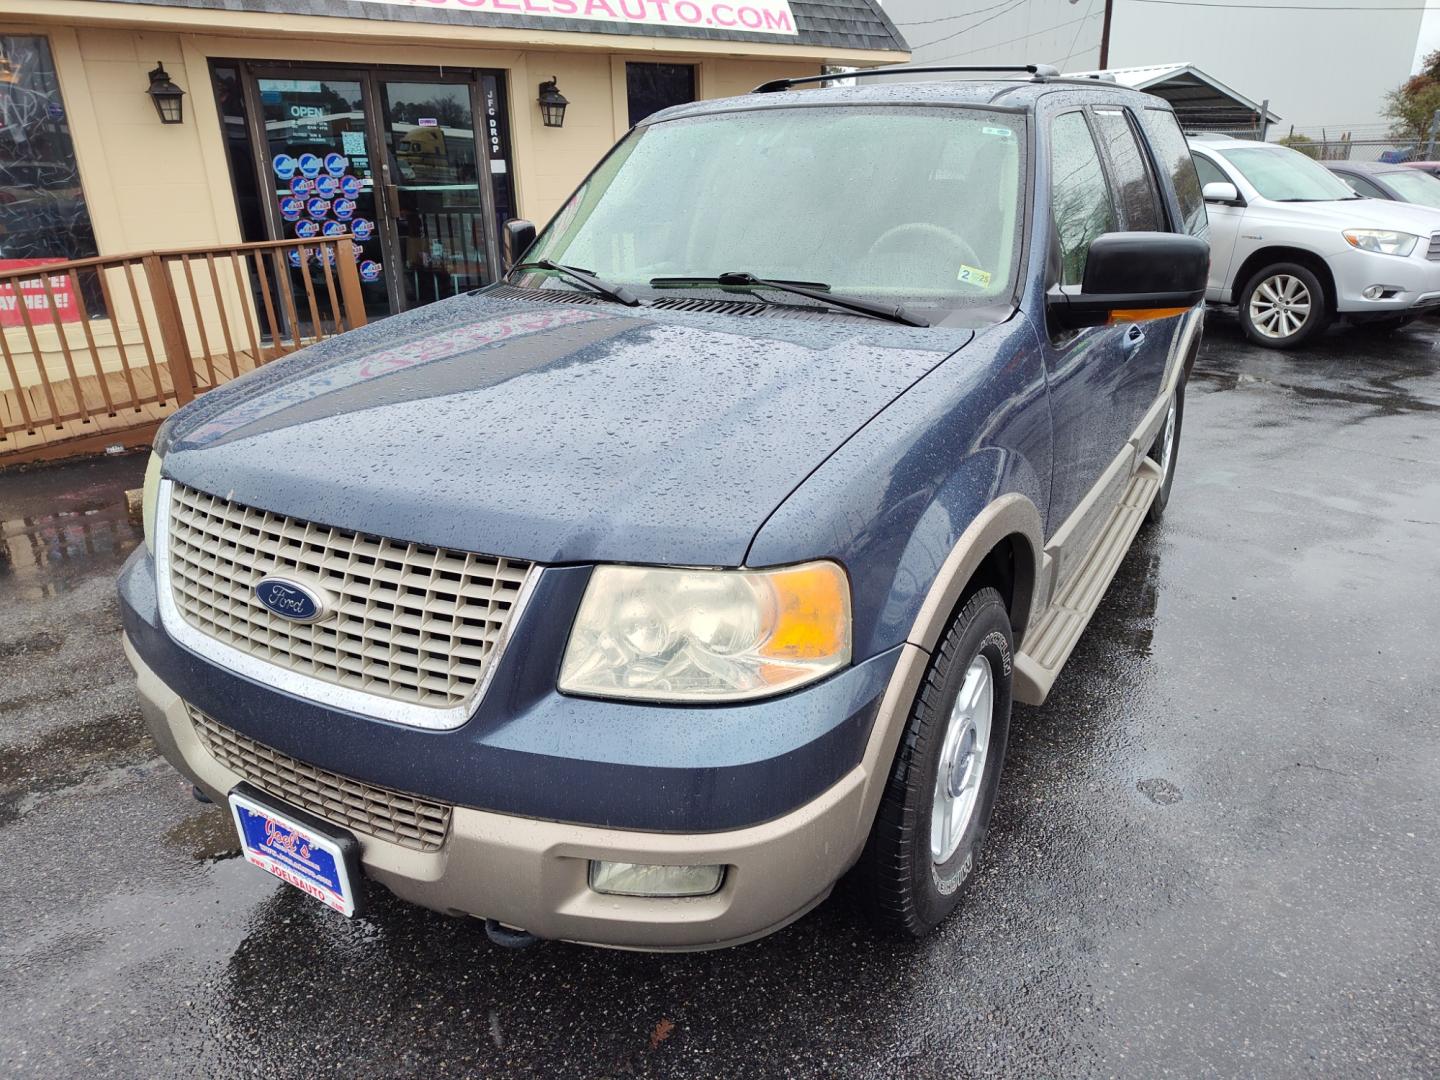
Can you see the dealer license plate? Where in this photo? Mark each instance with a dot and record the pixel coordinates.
(297, 848)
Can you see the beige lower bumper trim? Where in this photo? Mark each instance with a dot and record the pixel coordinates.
(533, 874)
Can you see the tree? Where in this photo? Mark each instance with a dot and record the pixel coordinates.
(1303, 143)
(1411, 105)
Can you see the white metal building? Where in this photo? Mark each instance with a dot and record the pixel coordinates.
(1316, 67)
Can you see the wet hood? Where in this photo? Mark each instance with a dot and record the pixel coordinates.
(551, 432)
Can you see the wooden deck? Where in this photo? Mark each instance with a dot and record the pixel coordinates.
(97, 426)
(139, 335)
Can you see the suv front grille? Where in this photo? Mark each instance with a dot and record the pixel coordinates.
(1433, 252)
(363, 808)
(410, 623)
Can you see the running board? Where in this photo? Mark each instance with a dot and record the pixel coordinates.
(1049, 644)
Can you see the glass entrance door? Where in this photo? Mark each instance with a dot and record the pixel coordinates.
(393, 158)
(320, 170)
(435, 169)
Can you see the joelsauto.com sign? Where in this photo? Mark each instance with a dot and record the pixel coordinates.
(753, 16)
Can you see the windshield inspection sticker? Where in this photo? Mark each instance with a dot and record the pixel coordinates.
(1005, 132)
(973, 275)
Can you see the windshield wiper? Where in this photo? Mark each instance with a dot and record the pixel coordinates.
(814, 290)
(619, 293)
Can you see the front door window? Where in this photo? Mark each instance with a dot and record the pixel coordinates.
(1079, 193)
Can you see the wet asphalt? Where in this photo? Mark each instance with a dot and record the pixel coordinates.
(1214, 853)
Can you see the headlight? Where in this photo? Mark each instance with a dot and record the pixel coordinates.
(149, 496)
(707, 635)
(1382, 241)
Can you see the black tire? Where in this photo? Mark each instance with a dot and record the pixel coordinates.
(897, 879)
(1317, 313)
(1157, 455)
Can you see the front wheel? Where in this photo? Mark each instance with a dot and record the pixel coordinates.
(936, 808)
(1283, 306)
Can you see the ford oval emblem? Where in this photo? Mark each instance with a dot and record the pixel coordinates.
(290, 599)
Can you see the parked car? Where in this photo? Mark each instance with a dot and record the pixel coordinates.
(636, 604)
(1394, 182)
(1293, 247)
(1431, 167)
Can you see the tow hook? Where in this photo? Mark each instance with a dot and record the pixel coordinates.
(508, 937)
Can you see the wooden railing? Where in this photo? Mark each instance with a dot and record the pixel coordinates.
(96, 352)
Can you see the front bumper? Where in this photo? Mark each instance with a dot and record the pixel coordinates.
(532, 752)
(533, 874)
(1412, 283)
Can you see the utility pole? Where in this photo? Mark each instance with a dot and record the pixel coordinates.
(1105, 35)
(1434, 129)
(1264, 119)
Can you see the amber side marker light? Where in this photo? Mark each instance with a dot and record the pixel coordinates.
(1126, 315)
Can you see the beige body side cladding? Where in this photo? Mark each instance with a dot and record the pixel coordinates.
(1073, 569)
(1085, 553)
(1007, 516)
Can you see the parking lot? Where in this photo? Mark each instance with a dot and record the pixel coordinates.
(1214, 853)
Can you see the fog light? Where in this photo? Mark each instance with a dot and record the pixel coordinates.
(1373, 292)
(641, 879)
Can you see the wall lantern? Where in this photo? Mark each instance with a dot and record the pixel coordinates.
(166, 96)
(552, 104)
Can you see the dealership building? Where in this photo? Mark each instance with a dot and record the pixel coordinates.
(418, 126)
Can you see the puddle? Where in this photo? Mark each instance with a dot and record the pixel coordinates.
(62, 523)
(207, 836)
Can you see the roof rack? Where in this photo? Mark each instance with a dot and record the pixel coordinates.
(1041, 72)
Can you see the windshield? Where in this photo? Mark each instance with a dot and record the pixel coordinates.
(912, 205)
(1414, 186)
(1286, 175)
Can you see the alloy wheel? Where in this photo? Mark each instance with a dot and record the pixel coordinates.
(1280, 306)
(1167, 441)
(962, 760)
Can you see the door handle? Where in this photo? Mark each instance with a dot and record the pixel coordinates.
(1134, 338)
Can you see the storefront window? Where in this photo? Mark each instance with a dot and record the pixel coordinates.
(652, 87)
(43, 217)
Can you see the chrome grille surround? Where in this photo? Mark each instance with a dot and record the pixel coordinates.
(402, 819)
(414, 635)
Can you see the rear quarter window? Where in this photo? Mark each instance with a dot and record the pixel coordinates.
(1172, 153)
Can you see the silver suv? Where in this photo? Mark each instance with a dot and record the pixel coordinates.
(1294, 247)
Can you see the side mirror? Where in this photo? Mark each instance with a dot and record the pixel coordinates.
(519, 235)
(1132, 277)
(1219, 191)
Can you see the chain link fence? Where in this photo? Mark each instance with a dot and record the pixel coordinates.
(1359, 143)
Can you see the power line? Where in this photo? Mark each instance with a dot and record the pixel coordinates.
(1089, 9)
(972, 26)
(1011, 41)
(1282, 7)
(952, 18)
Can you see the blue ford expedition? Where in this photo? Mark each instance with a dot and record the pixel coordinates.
(640, 597)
